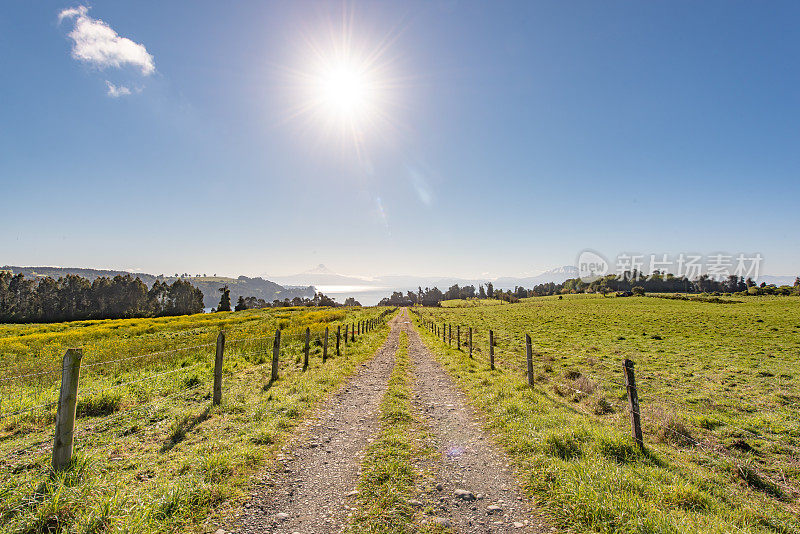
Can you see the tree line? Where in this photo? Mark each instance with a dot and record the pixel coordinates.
(74, 298)
(253, 303)
(630, 283)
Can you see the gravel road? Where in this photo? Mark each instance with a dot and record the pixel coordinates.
(322, 465)
(473, 489)
(476, 490)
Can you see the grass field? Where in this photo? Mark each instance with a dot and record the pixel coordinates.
(719, 394)
(152, 453)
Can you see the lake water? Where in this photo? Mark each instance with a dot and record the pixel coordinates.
(366, 295)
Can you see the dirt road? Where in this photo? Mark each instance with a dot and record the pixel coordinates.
(473, 489)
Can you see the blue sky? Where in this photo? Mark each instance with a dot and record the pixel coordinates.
(512, 136)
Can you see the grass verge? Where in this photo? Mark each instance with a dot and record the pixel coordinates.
(589, 477)
(172, 462)
(389, 478)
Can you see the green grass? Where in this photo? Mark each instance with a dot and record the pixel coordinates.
(155, 455)
(389, 477)
(708, 370)
(469, 303)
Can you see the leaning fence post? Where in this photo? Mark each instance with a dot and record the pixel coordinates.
(218, 368)
(276, 352)
(491, 349)
(338, 339)
(325, 346)
(529, 356)
(67, 403)
(633, 403)
(470, 342)
(305, 351)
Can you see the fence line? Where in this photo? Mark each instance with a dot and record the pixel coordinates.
(441, 331)
(65, 434)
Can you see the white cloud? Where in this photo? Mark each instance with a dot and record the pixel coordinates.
(96, 43)
(115, 91)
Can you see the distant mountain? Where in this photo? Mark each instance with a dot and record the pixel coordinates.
(209, 285)
(322, 276)
(557, 276)
(90, 274)
(777, 280)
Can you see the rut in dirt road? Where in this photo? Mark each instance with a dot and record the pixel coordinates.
(309, 493)
(468, 458)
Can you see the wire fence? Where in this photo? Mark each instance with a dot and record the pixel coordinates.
(120, 390)
(507, 352)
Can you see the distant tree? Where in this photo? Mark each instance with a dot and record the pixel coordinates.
(603, 288)
(481, 292)
(638, 291)
(240, 304)
(350, 301)
(225, 299)
(324, 300)
(489, 290)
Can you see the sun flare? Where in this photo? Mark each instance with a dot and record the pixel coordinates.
(345, 87)
(345, 90)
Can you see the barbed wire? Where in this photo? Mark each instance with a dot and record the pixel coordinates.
(288, 366)
(499, 350)
(53, 370)
(28, 409)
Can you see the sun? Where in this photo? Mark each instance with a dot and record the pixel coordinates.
(344, 87)
(346, 90)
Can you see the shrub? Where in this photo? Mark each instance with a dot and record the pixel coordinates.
(601, 406)
(753, 479)
(671, 429)
(584, 385)
(104, 403)
(572, 374)
(619, 449)
(566, 445)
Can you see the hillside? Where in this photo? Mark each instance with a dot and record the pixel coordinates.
(209, 285)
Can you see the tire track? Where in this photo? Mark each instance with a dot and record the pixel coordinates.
(475, 489)
(309, 490)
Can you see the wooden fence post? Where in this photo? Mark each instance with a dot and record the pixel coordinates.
(346, 333)
(325, 346)
(458, 336)
(529, 356)
(276, 353)
(450, 334)
(633, 403)
(218, 368)
(305, 351)
(67, 403)
(353, 333)
(470, 342)
(338, 339)
(491, 349)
